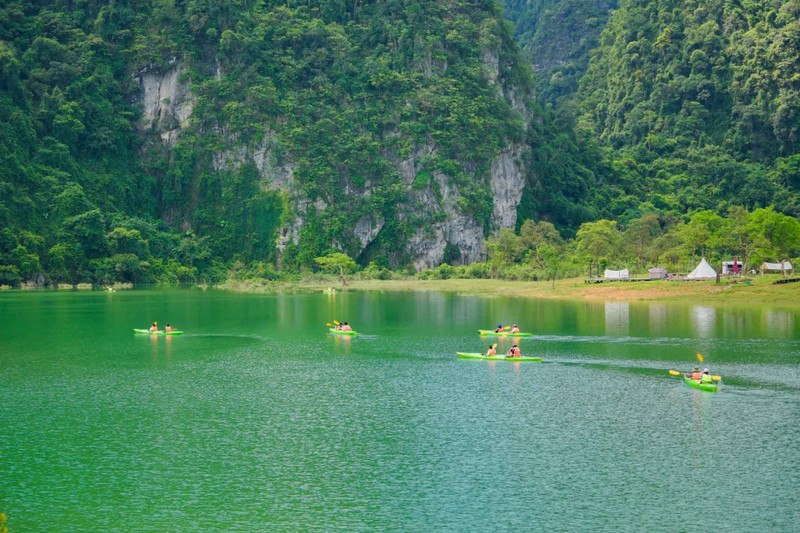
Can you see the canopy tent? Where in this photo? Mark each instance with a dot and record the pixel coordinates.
(786, 266)
(657, 273)
(616, 274)
(703, 271)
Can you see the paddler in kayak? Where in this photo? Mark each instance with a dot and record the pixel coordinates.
(168, 328)
(499, 328)
(705, 377)
(695, 374)
(514, 329)
(154, 327)
(514, 352)
(491, 351)
(346, 327)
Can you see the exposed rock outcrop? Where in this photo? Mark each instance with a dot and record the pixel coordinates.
(166, 100)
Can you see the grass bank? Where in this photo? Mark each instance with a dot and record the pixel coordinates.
(759, 290)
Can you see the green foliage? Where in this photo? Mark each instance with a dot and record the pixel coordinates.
(557, 36)
(337, 262)
(683, 134)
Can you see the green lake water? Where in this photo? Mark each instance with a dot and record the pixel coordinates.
(256, 419)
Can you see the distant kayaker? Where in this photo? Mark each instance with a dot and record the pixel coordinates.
(168, 328)
(154, 327)
(491, 351)
(514, 352)
(499, 328)
(346, 327)
(695, 374)
(514, 329)
(705, 377)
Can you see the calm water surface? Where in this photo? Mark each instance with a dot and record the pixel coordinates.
(257, 420)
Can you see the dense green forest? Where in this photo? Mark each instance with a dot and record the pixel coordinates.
(557, 37)
(168, 141)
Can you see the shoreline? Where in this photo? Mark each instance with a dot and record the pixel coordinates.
(758, 291)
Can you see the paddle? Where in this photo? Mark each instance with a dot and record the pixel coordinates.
(700, 357)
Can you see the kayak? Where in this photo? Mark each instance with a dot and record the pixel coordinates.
(463, 355)
(492, 333)
(148, 332)
(340, 332)
(696, 384)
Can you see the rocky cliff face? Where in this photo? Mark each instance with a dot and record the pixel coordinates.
(166, 100)
(167, 104)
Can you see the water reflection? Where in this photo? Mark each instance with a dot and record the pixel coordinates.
(702, 318)
(778, 322)
(341, 343)
(617, 318)
(658, 317)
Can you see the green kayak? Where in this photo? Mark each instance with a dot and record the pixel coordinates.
(492, 333)
(696, 384)
(148, 332)
(340, 332)
(463, 355)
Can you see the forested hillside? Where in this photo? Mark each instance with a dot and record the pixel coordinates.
(702, 102)
(557, 36)
(181, 141)
(695, 107)
(164, 141)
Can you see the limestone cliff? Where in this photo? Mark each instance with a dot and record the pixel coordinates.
(167, 103)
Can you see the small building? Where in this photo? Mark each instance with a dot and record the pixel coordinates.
(657, 273)
(732, 267)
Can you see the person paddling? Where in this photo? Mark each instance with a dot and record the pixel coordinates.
(168, 328)
(695, 374)
(514, 352)
(491, 351)
(499, 328)
(154, 327)
(705, 377)
(346, 327)
(514, 329)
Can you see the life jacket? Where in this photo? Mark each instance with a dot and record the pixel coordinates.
(697, 375)
(706, 378)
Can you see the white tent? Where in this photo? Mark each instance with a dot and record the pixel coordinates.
(703, 271)
(616, 274)
(786, 266)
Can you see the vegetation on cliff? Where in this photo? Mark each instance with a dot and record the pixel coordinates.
(680, 140)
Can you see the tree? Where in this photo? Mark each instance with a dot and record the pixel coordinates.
(598, 239)
(777, 235)
(640, 235)
(504, 250)
(551, 261)
(337, 262)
